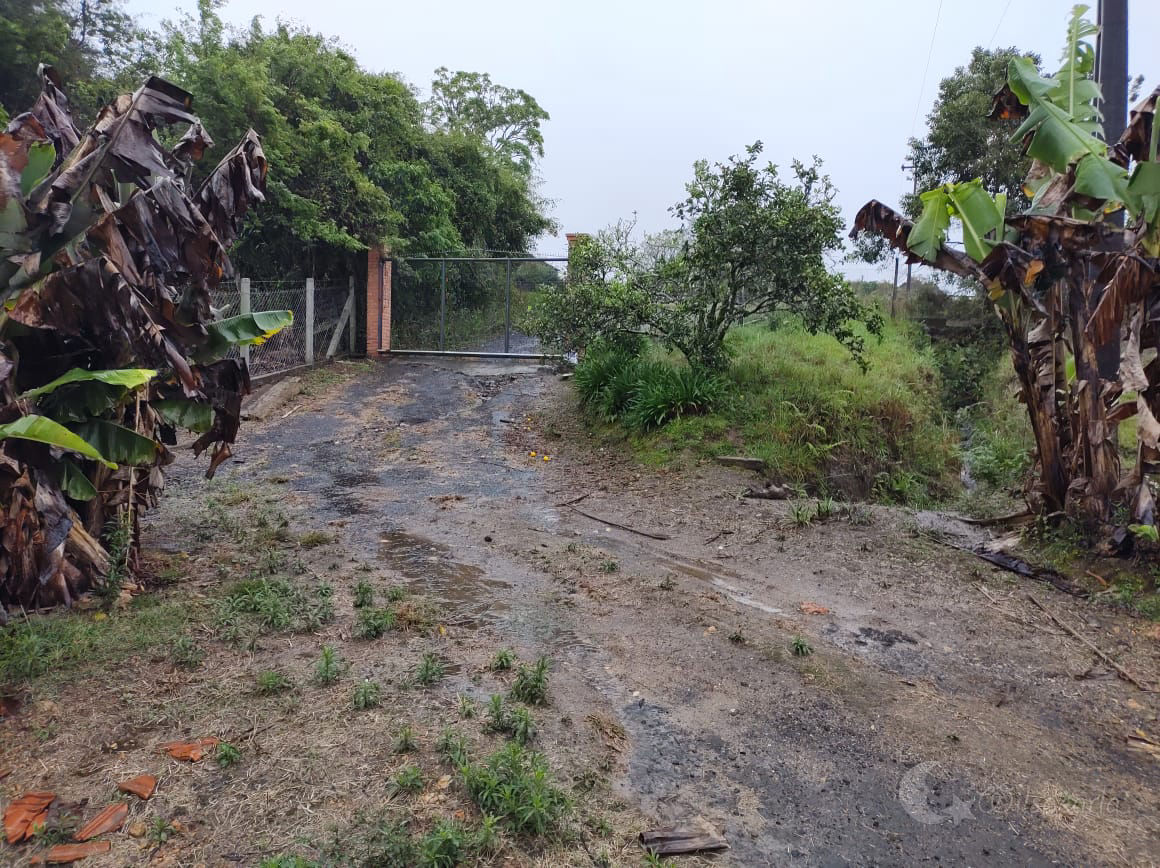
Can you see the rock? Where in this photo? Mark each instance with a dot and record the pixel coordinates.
(137, 829)
(264, 403)
(742, 461)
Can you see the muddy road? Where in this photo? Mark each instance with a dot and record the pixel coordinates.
(938, 719)
(848, 692)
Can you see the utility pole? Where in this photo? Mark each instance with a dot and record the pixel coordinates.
(1112, 76)
(914, 192)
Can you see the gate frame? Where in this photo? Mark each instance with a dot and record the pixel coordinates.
(385, 285)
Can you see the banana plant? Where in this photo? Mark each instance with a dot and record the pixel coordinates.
(1068, 282)
(108, 342)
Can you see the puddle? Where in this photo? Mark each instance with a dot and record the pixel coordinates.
(733, 592)
(428, 565)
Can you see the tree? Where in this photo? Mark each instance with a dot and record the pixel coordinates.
(109, 343)
(750, 244)
(1065, 280)
(961, 144)
(508, 119)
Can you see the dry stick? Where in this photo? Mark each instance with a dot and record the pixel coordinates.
(573, 500)
(1123, 673)
(621, 526)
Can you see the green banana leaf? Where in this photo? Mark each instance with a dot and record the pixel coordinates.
(1101, 179)
(130, 378)
(74, 483)
(41, 429)
(927, 235)
(980, 214)
(250, 329)
(117, 442)
(191, 415)
(41, 156)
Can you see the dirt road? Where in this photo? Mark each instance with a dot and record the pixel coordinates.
(930, 714)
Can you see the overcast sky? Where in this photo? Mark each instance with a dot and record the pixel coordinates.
(639, 89)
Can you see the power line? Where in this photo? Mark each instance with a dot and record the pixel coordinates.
(926, 69)
(999, 24)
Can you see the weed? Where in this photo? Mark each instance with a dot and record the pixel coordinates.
(825, 509)
(531, 684)
(288, 861)
(118, 541)
(452, 747)
(405, 741)
(653, 860)
(572, 548)
(737, 637)
(270, 605)
(487, 840)
(496, 714)
(364, 595)
(429, 671)
(802, 514)
(417, 615)
(329, 667)
(396, 593)
(312, 539)
(160, 831)
(368, 694)
(226, 755)
(271, 682)
(858, 514)
(466, 707)
(445, 844)
(408, 779)
(503, 660)
(515, 785)
(799, 647)
(521, 726)
(373, 623)
(187, 653)
(609, 566)
(668, 583)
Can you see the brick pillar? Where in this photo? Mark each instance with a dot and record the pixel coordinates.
(378, 287)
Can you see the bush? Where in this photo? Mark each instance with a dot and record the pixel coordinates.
(618, 385)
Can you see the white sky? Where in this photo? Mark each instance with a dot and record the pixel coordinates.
(639, 89)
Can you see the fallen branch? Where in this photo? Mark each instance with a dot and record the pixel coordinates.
(1024, 516)
(1017, 566)
(1120, 670)
(573, 500)
(643, 533)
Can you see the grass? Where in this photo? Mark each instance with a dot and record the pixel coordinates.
(314, 538)
(409, 779)
(271, 683)
(271, 605)
(799, 647)
(531, 684)
(187, 653)
(801, 404)
(66, 643)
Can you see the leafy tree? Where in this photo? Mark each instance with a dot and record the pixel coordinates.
(355, 164)
(92, 44)
(750, 244)
(961, 144)
(508, 119)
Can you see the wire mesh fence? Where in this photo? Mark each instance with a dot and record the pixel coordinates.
(307, 339)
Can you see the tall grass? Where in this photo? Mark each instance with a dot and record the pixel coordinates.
(800, 403)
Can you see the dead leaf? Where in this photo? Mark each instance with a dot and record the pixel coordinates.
(109, 820)
(23, 814)
(443, 783)
(142, 786)
(191, 751)
(62, 854)
(5, 773)
(814, 609)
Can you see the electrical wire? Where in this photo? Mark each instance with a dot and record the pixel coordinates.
(999, 24)
(926, 69)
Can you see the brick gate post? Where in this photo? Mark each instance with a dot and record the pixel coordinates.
(378, 300)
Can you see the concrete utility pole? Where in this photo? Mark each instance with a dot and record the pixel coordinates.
(1112, 75)
(914, 191)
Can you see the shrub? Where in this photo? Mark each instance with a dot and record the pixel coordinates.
(664, 392)
(515, 785)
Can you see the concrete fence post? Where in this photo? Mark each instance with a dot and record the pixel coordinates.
(378, 301)
(310, 320)
(243, 308)
(350, 322)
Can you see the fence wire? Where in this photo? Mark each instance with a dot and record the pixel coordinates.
(287, 349)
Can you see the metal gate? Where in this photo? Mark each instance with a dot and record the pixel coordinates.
(468, 305)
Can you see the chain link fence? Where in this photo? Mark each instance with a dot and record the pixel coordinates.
(319, 312)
